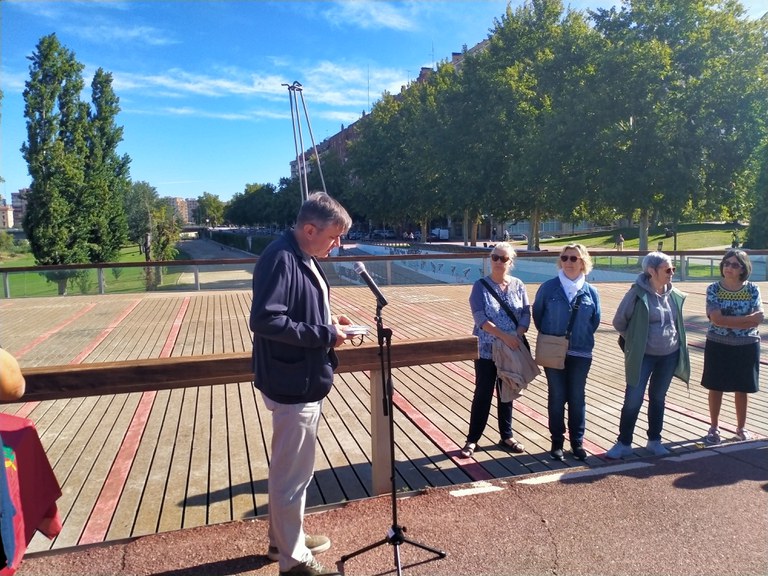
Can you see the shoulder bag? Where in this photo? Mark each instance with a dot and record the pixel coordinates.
(506, 309)
(551, 350)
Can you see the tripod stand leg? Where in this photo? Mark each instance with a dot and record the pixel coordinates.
(366, 549)
(435, 551)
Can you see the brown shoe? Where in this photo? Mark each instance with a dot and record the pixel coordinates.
(316, 544)
(311, 568)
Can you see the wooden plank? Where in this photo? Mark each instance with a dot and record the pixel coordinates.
(51, 382)
(150, 509)
(241, 499)
(138, 483)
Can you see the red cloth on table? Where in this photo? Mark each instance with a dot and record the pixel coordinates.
(32, 484)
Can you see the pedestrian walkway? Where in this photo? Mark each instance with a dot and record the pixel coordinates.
(696, 514)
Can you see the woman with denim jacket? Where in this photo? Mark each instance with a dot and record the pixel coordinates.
(650, 317)
(555, 302)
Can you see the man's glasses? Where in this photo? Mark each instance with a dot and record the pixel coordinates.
(732, 264)
(565, 258)
(498, 257)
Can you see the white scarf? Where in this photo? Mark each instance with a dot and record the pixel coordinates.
(571, 287)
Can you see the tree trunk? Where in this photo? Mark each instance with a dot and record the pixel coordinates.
(62, 283)
(533, 235)
(643, 229)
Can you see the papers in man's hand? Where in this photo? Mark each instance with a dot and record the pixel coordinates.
(354, 329)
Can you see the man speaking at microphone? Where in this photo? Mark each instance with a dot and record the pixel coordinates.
(294, 336)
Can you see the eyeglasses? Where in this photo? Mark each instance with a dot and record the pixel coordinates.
(732, 264)
(565, 258)
(670, 270)
(499, 257)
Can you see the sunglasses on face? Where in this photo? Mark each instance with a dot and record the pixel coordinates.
(565, 258)
(670, 270)
(732, 264)
(499, 258)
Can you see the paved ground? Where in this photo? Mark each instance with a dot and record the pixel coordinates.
(702, 513)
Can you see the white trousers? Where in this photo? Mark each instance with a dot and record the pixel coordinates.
(294, 439)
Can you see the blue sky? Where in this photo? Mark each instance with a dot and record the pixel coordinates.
(200, 82)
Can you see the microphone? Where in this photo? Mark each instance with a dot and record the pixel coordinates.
(360, 269)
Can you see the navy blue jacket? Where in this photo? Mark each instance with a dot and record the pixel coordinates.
(293, 358)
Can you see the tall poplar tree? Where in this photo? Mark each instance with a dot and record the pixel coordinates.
(107, 173)
(55, 156)
(75, 208)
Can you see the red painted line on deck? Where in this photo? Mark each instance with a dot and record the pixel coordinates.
(104, 508)
(26, 409)
(104, 333)
(43, 337)
(471, 467)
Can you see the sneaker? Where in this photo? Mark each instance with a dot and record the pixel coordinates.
(311, 568)
(713, 437)
(657, 448)
(316, 544)
(619, 450)
(744, 434)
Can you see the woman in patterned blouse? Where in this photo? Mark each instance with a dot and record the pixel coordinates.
(732, 352)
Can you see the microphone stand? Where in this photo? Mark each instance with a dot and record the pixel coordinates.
(396, 533)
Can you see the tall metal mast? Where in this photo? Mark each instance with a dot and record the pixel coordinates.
(296, 92)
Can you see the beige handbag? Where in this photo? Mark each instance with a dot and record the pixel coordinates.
(551, 350)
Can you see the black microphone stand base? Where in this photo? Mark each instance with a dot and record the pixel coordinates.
(395, 537)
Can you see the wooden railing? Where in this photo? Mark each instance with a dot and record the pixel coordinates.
(99, 379)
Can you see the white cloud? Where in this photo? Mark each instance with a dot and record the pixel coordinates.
(109, 33)
(368, 14)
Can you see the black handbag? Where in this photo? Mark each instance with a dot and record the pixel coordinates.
(507, 309)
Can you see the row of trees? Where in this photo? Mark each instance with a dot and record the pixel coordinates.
(659, 107)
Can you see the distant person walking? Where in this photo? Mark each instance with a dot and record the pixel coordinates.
(619, 244)
(732, 350)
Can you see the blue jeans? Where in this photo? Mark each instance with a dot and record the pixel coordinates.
(660, 370)
(568, 386)
(485, 384)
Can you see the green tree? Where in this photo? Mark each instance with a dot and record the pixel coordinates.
(140, 202)
(675, 136)
(107, 174)
(757, 233)
(255, 205)
(210, 209)
(55, 153)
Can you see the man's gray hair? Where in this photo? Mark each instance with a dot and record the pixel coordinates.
(653, 260)
(323, 211)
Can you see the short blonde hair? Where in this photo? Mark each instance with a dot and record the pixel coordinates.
(586, 259)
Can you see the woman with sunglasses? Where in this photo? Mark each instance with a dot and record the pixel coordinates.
(557, 299)
(732, 350)
(493, 322)
(650, 317)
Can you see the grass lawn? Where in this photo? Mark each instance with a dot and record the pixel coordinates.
(116, 280)
(689, 237)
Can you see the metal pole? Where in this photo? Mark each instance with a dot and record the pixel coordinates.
(312, 138)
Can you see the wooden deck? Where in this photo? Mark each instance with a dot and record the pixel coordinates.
(140, 463)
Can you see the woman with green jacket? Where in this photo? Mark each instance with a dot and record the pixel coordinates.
(650, 317)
